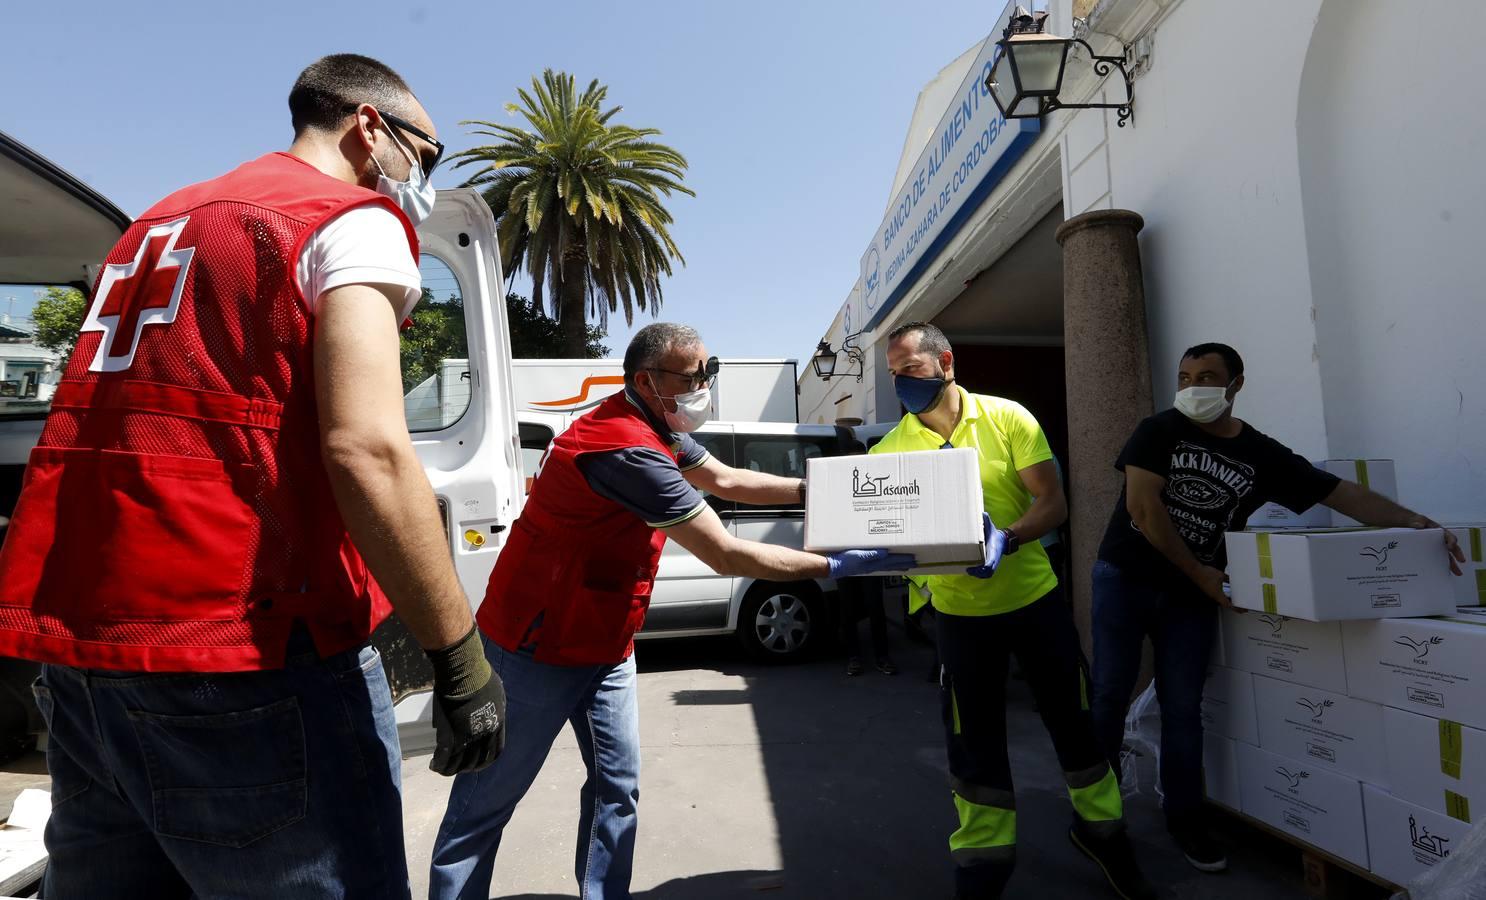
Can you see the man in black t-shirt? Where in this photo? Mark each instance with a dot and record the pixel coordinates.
(1193, 473)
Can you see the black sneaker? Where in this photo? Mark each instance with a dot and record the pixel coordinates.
(853, 666)
(1198, 846)
(1116, 859)
(885, 666)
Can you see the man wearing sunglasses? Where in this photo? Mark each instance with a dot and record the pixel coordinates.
(229, 434)
(571, 588)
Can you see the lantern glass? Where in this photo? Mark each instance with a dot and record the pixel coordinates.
(824, 362)
(1039, 62)
(1003, 85)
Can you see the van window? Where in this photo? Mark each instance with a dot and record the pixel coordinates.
(435, 353)
(38, 327)
(783, 455)
(720, 445)
(534, 441)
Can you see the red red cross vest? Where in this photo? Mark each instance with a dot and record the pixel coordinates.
(575, 576)
(176, 515)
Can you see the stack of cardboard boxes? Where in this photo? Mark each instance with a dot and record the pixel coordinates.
(1347, 705)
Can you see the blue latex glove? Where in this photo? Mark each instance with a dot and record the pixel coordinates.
(851, 563)
(995, 546)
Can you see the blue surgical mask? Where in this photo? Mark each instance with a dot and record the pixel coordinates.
(918, 395)
(415, 197)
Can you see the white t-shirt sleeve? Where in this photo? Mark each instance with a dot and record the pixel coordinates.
(363, 245)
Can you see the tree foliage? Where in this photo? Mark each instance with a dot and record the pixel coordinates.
(438, 333)
(536, 335)
(58, 316)
(577, 201)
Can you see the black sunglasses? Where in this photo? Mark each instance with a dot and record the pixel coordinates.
(407, 128)
(705, 374)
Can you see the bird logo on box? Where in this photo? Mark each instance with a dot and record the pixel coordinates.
(1295, 778)
(1379, 554)
(1420, 648)
(1316, 707)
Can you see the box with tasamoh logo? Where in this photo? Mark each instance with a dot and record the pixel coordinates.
(1332, 730)
(928, 504)
(1315, 805)
(1404, 840)
(1341, 575)
(1438, 764)
(1435, 667)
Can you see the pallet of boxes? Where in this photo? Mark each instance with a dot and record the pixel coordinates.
(1347, 706)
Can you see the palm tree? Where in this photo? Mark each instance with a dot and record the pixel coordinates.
(577, 201)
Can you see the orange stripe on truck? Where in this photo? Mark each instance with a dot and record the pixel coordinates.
(590, 382)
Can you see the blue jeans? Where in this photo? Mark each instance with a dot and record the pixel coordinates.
(601, 704)
(1181, 625)
(278, 783)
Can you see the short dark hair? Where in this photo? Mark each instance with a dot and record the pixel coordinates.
(331, 88)
(1231, 360)
(654, 341)
(930, 338)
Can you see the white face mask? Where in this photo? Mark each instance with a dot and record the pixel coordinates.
(415, 197)
(692, 410)
(1202, 404)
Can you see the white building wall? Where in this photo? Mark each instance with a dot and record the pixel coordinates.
(1391, 144)
(1210, 163)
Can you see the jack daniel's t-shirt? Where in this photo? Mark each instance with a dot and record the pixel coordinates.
(1213, 485)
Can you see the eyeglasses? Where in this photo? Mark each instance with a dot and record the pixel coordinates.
(407, 128)
(704, 376)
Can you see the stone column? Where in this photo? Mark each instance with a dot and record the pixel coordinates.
(1107, 359)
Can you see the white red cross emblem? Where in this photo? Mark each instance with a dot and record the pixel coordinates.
(146, 291)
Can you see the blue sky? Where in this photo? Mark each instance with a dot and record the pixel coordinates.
(792, 115)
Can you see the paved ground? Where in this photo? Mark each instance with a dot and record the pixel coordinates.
(798, 782)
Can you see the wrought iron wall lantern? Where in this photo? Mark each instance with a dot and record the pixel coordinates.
(1028, 74)
(825, 359)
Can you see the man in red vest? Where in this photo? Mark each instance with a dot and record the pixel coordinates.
(221, 496)
(570, 590)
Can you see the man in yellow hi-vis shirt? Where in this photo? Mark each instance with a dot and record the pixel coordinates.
(1011, 604)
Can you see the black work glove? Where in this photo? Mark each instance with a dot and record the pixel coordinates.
(469, 708)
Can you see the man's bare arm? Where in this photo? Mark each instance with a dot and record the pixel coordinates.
(379, 486)
(744, 485)
(1048, 510)
(1148, 510)
(1371, 508)
(705, 538)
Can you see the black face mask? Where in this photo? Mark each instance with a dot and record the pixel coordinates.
(919, 395)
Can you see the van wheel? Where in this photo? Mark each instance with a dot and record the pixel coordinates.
(780, 622)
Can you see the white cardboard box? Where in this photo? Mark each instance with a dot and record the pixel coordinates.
(1375, 474)
(1338, 575)
(1332, 730)
(1220, 771)
(1435, 667)
(1293, 650)
(928, 504)
(1404, 840)
(1316, 805)
(1470, 589)
(1228, 704)
(1439, 765)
